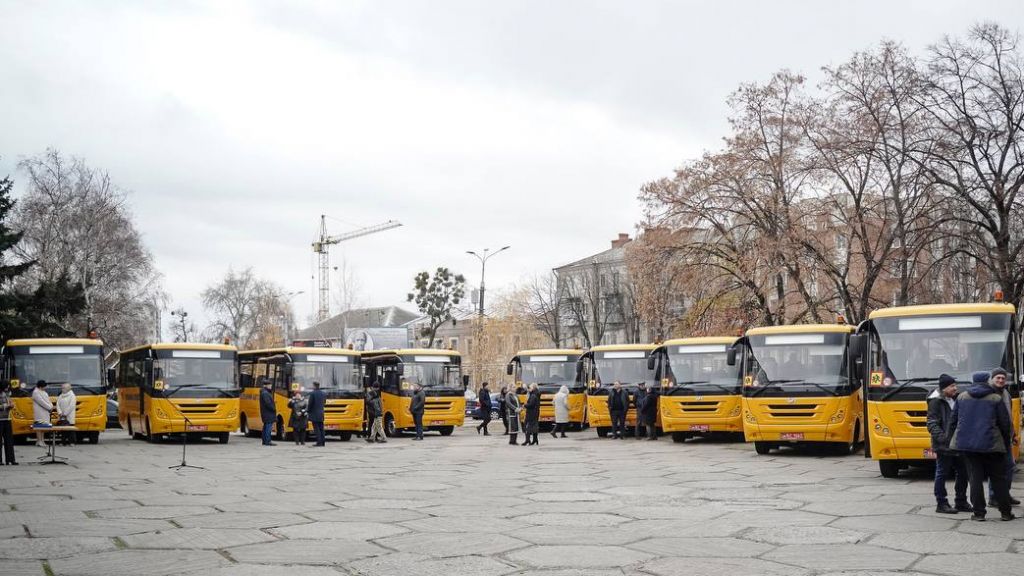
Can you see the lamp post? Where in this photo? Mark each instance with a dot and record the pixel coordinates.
(287, 298)
(182, 315)
(483, 268)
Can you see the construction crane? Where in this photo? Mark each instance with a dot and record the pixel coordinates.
(322, 247)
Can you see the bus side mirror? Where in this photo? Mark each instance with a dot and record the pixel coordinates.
(858, 343)
(652, 361)
(401, 369)
(508, 369)
(158, 373)
(465, 382)
(111, 377)
(730, 356)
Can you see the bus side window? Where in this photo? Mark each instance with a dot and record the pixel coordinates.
(245, 374)
(391, 380)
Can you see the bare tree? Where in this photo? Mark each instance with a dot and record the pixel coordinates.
(245, 309)
(586, 304)
(544, 303)
(78, 224)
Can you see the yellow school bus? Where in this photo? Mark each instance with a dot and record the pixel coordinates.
(700, 392)
(338, 371)
(177, 388)
(78, 361)
(439, 372)
(602, 366)
(902, 351)
(799, 387)
(550, 369)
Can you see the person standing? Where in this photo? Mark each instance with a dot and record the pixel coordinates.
(416, 407)
(66, 404)
(317, 402)
(268, 410)
(502, 404)
(940, 420)
(377, 430)
(649, 413)
(512, 409)
(41, 409)
(371, 413)
(299, 418)
(981, 431)
(532, 426)
(618, 403)
(485, 409)
(998, 382)
(639, 399)
(561, 402)
(6, 432)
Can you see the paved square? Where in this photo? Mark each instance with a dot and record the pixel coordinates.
(470, 504)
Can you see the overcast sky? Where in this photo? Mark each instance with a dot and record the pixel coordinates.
(234, 125)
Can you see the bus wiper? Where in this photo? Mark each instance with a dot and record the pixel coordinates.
(906, 383)
(689, 383)
(168, 394)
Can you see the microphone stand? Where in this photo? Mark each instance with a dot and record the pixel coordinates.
(184, 440)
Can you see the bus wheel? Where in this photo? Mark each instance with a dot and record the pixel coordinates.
(602, 431)
(94, 438)
(446, 430)
(679, 437)
(150, 437)
(223, 437)
(889, 468)
(345, 436)
(389, 426)
(762, 448)
(279, 433)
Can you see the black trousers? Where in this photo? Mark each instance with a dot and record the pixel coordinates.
(7, 438)
(486, 414)
(504, 420)
(318, 432)
(991, 465)
(618, 424)
(560, 428)
(652, 430)
(417, 420)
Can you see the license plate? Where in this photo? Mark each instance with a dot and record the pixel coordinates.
(791, 436)
(928, 453)
(547, 419)
(437, 422)
(196, 428)
(331, 426)
(700, 427)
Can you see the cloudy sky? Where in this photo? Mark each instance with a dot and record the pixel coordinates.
(234, 125)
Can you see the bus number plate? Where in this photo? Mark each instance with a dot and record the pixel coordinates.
(929, 453)
(791, 436)
(331, 426)
(437, 422)
(196, 428)
(700, 428)
(547, 419)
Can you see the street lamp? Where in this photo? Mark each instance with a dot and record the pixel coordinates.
(182, 314)
(287, 298)
(483, 268)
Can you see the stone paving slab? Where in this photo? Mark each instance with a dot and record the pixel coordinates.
(710, 547)
(720, 567)
(841, 557)
(316, 552)
(579, 556)
(21, 568)
(196, 538)
(58, 547)
(947, 542)
(139, 563)
(998, 564)
(448, 544)
(416, 565)
(339, 531)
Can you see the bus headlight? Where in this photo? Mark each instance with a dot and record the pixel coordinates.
(99, 410)
(160, 414)
(233, 413)
(17, 414)
(735, 411)
(837, 417)
(749, 417)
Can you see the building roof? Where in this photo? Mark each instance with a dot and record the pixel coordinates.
(380, 317)
(609, 256)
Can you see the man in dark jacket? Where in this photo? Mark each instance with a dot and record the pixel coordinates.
(485, 409)
(618, 404)
(981, 432)
(947, 463)
(268, 411)
(650, 413)
(371, 414)
(416, 406)
(998, 382)
(638, 401)
(317, 401)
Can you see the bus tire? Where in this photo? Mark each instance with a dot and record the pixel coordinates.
(150, 437)
(345, 436)
(889, 468)
(762, 448)
(246, 430)
(602, 431)
(679, 437)
(223, 437)
(94, 438)
(279, 433)
(446, 430)
(389, 426)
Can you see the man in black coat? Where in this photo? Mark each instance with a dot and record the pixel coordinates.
(485, 409)
(371, 413)
(650, 413)
(639, 399)
(317, 401)
(947, 463)
(268, 411)
(416, 407)
(618, 404)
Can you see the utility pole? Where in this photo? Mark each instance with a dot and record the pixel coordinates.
(322, 248)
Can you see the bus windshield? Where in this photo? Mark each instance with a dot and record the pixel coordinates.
(799, 361)
(702, 366)
(434, 374)
(547, 370)
(625, 367)
(83, 371)
(178, 373)
(921, 348)
(330, 375)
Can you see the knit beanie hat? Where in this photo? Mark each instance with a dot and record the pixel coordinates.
(980, 377)
(945, 381)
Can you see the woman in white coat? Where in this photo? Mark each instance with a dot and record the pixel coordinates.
(41, 408)
(66, 404)
(561, 402)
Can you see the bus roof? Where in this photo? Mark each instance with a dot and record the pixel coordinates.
(182, 346)
(410, 352)
(299, 350)
(55, 342)
(801, 329)
(929, 309)
(701, 340)
(623, 347)
(550, 352)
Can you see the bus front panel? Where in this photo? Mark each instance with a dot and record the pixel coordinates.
(79, 365)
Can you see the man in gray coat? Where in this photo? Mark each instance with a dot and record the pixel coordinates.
(998, 382)
(416, 407)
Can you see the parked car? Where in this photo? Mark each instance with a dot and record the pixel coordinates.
(473, 406)
(112, 421)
